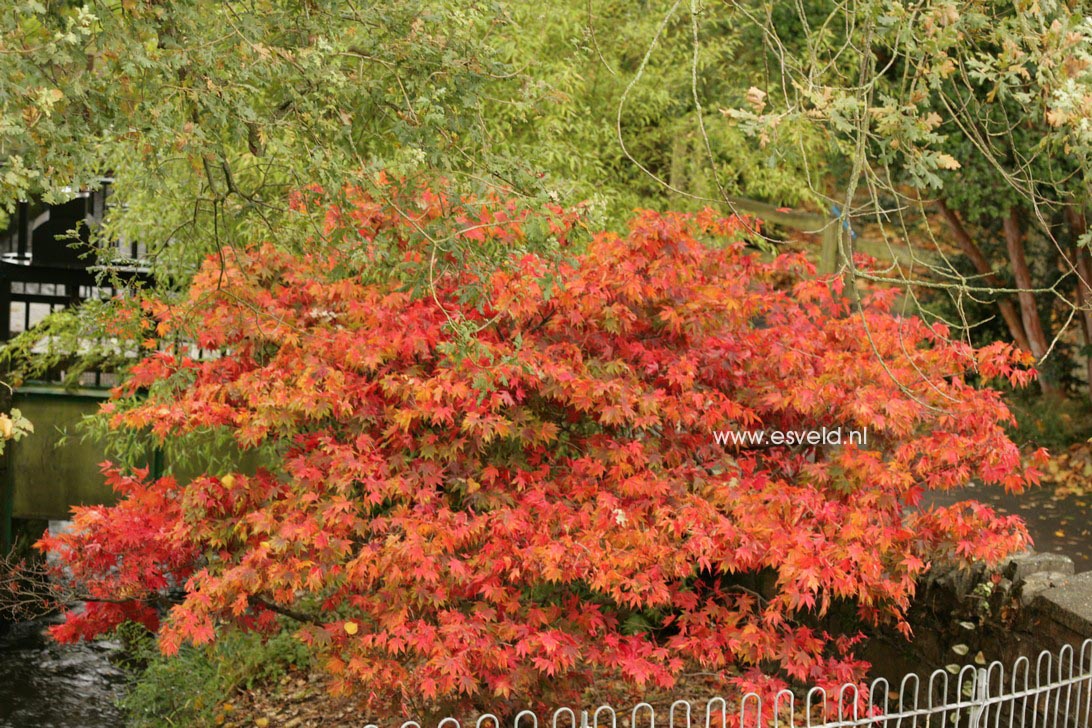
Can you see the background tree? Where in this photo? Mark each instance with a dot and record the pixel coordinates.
(623, 83)
(969, 110)
(869, 111)
(206, 115)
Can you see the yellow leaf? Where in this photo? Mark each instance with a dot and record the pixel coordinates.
(947, 161)
(756, 97)
(351, 628)
(228, 480)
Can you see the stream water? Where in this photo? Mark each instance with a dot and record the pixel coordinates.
(46, 685)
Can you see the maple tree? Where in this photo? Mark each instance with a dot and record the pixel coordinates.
(481, 482)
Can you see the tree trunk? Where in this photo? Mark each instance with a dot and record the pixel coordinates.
(1083, 268)
(1029, 311)
(974, 254)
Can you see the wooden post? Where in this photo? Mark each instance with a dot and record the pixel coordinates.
(830, 256)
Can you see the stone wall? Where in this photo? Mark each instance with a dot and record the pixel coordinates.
(1034, 602)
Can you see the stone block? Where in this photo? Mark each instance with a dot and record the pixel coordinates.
(1023, 565)
(1068, 603)
(1035, 584)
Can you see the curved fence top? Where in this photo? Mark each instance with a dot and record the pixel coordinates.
(1052, 690)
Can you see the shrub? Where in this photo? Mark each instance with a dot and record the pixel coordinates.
(188, 687)
(483, 479)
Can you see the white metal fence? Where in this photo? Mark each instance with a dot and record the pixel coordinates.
(1052, 691)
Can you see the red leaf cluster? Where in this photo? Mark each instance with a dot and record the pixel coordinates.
(481, 514)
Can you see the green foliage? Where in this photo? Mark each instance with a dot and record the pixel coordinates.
(207, 115)
(652, 76)
(69, 340)
(1050, 421)
(208, 112)
(187, 689)
(13, 426)
(967, 98)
